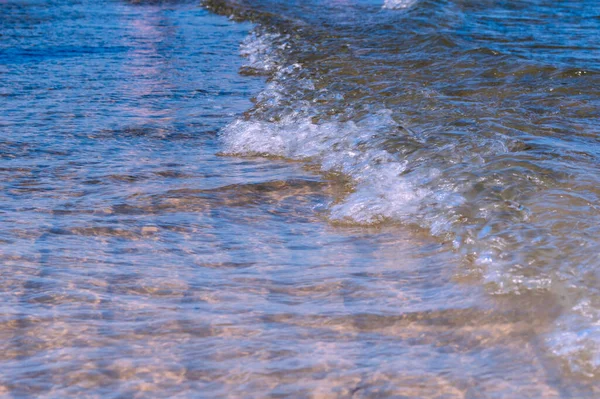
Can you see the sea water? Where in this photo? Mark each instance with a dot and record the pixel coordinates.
(343, 198)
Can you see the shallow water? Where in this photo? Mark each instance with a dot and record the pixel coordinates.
(406, 209)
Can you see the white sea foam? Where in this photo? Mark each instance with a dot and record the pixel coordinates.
(398, 4)
(576, 338)
(380, 191)
(261, 50)
(383, 188)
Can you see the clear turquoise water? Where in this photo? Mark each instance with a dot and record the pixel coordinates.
(305, 199)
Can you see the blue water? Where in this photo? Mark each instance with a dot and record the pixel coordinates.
(299, 199)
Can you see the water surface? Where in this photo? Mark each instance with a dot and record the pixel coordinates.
(392, 199)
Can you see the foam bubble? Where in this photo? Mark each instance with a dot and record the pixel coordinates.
(398, 4)
(576, 339)
(262, 50)
(380, 192)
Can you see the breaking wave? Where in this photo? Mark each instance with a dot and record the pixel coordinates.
(494, 177)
